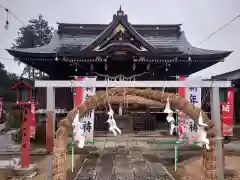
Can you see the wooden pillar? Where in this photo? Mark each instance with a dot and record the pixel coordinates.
(215, 116)
(25, 150)
(50, 122)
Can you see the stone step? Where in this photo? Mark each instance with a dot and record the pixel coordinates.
(88, 170)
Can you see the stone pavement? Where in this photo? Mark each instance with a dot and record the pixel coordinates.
(233, 146)
(9, 147)
(5, 140)
(123, 159)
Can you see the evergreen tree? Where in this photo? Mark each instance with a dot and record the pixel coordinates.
(7, 80)
(36, 33)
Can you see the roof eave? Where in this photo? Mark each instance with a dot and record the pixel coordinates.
(19, 83)
(19, 53)
(215, 56)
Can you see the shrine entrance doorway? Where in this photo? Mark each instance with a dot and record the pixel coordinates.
(128, 123)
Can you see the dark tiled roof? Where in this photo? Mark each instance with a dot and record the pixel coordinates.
(166, 36)
(231, 76)
(82, 35)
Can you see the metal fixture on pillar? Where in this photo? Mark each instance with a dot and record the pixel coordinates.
(56, 58)
(134, 66)
(120, 110)
(167, 65)
(189, 55)
(148, 67)
(175, 59)
(76, 69)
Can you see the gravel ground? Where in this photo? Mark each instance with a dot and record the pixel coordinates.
(43, 171)
(191, 169)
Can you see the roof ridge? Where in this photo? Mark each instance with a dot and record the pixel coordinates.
(105, 24)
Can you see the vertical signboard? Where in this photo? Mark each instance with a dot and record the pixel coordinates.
(33, 122)
(83, 94)
(78, 96)
(182, 118)
(194, 97)
(188, 126)
(227, 113)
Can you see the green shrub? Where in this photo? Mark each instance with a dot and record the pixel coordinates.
(16, 136)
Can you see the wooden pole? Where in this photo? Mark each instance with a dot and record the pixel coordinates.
(25, 150)
(50, 121)
(49, 132)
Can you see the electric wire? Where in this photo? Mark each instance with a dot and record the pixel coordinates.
(13, 15)
(220, 29)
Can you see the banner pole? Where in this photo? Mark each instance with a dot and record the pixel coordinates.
(74, 94)
(177, 142)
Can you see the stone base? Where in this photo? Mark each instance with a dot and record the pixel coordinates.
(26, 172)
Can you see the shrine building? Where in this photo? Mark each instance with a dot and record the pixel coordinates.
(150, 51)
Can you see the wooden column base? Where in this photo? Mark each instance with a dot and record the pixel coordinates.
(60, 164)
(210, 165)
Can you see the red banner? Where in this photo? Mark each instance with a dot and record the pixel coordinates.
(1, 106)
(78, 97)
(182, 118)
(33, 122)
(227, 113)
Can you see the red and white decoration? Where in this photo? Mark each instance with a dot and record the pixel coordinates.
(84, 129)
(227, 113)
(33, 123)
(200, 136)
(193, 95)
(187, 127)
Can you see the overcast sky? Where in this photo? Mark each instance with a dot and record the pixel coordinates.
(199, 19)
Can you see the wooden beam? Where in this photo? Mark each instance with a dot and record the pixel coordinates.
(137, 84)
